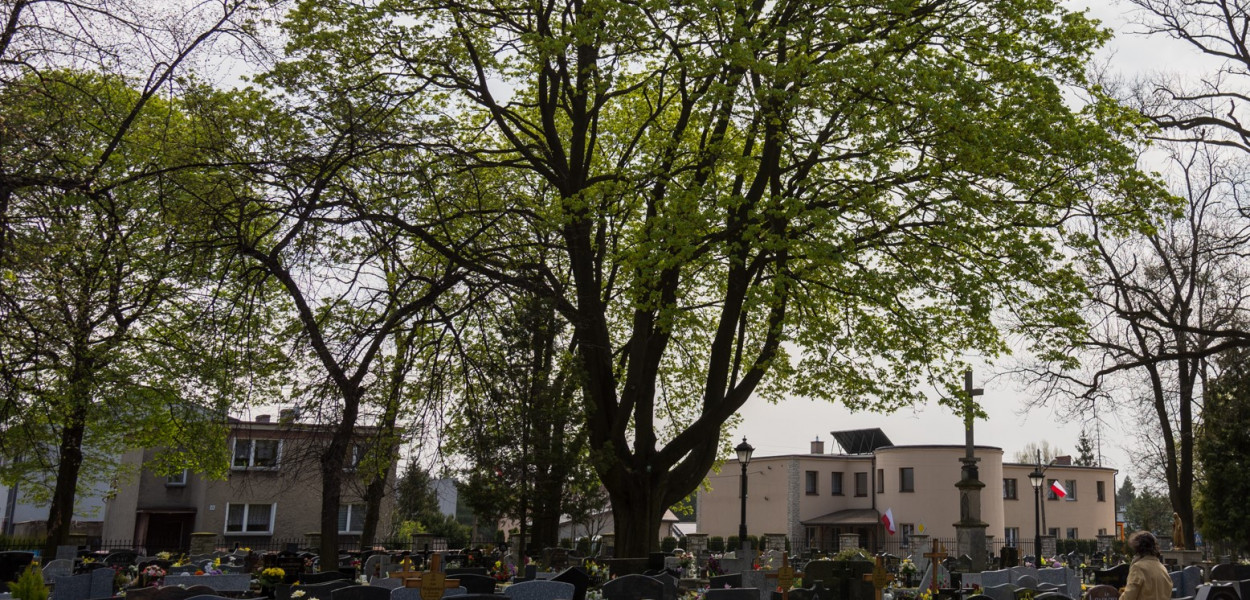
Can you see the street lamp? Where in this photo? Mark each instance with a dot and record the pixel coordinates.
(744, 451)
(1037, 478)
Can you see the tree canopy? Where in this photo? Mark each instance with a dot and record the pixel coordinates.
(735, 198)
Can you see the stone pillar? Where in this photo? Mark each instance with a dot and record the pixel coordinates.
(607, 545)
(970, 530)
(775, 541)
(314, 541)
(1104, 542)
(422, 542)
(203, 542)
(696, 543)
(919, 544)
(847, 541)
(1048, 546)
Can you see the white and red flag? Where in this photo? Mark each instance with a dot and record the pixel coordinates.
(1057, 488)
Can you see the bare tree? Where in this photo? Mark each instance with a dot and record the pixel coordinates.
(1161, 303)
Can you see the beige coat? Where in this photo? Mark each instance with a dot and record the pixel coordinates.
(1148, 579)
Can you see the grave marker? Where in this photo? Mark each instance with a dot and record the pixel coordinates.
(785, 576)
(880, 578)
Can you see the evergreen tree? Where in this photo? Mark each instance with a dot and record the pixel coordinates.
(1085, 451)
(1223, 451)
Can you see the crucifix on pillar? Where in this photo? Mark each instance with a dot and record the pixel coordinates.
(970, 530)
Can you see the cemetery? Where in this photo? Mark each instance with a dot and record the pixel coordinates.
(692, 573)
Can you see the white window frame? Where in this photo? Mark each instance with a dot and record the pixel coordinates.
(354, 457)
(348, 506)
(1070, 486)
(1011, 536)
(179, 480)
(247, 507)
(251, 454)
(907, 530)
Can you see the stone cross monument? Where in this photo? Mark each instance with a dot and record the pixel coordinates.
(970, 530)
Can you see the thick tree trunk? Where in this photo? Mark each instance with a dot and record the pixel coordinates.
(637, 509)
(61, 512)
(333, 461)
(374, 493)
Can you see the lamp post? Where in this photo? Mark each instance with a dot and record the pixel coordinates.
(744, 451)
(1037, 477)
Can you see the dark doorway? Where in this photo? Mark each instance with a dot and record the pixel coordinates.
(169, 532)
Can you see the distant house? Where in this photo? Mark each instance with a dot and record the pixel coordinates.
(817, 498)
(23, 516)
(272, 494)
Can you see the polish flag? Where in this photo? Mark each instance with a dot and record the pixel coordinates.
(888, 520)
(1058, 489)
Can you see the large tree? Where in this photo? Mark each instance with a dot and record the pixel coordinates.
(728, 198)
(109, 336)
(1159, 302)
(1223, 448)
(303, 169)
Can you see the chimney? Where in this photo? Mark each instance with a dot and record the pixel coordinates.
(1064, 461)
(818, 447)
(262, 418)
(288, 415)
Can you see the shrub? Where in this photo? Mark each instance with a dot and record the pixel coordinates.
(716, 544)
(668, 544)
(30, 585)
(852, 554)
(732, 544)
(566, 543)
(583, 546)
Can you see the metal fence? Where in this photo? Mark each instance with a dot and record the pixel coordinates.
(259, 545)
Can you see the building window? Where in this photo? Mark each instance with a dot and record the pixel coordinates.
(177, 480)
(250, 518)
(1009, 490)
(1102, 491)
(861, 483)
(256, 454)
(880, 481)
(835, 483)
(1102, 531)
(908, 530)
(906, 479)
(1072, 533)
(812, 482)
(351, 518)
(1053, 532)
(1012, 536)
(1070, 486)
(354, 457)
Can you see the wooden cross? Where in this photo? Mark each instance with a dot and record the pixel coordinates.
(935, 559)
(879, 577)
(432, 583)
(784, 576)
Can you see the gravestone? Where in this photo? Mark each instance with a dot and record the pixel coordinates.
(389, 583)
(179, 571)
(1217, 591)
(1052, 596)
(670, 585)
(66, 552)
(1025, 594)
(74, 587)
(1178, 583)
(1230, 572)
(1027, 582)
(1102, 592)
(1116, 577)
(758, 580)
(1018, 572)
(360, 592)
(732, 580)
(61, 567)
(578, 578)
(993, 578)
(540, 590)
(732, 594)
(1005, 591)
(377, 565)
(963, 564)
(1193, 579)
(474, 583)
(102, 583)
(633, 587)
(1068, 580)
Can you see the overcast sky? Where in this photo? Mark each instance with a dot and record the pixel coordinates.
(788, 427)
